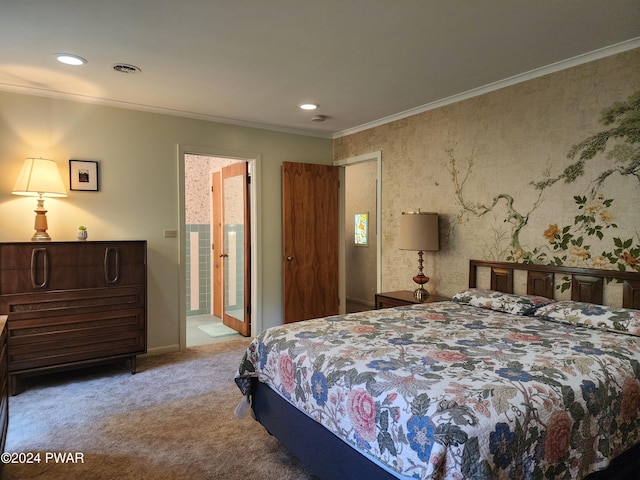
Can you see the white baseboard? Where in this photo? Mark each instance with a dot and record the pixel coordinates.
(164, 349)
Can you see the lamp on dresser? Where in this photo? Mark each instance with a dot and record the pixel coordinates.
(40, 178)
(419, 231)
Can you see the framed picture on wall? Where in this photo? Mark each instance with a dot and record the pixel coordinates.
(83, 175)
(361, 228)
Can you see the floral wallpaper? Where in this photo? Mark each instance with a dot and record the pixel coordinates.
(197, 186)
(588, 241)
(544, 171)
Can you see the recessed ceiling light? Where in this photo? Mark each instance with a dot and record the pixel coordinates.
(69, 59)
(308, 106)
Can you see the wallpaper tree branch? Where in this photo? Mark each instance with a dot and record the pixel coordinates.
(574, 244)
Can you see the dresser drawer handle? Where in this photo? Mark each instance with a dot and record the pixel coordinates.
(34, 267)
(107, 252)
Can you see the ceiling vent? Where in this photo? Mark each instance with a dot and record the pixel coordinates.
(125, 68)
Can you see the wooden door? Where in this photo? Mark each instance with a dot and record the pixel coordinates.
(236, 253)
(310, 235)
(216, 243)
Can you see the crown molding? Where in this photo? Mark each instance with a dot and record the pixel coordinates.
(522, 77)
(104, 102)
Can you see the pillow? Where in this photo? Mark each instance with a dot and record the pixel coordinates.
(500, 301)
(596, 316)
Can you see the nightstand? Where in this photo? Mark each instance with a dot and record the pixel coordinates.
(403, 297)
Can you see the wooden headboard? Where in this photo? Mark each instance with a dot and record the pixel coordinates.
(587, 284)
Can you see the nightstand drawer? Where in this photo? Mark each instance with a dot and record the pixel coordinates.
(403, 297)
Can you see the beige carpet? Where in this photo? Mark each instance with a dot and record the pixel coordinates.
(172, 420)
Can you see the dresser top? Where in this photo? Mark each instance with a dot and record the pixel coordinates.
(56, 242)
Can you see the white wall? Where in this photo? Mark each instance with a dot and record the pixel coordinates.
(138, 198)
(361, 267)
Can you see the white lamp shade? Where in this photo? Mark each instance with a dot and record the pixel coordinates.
(40, 176)
(419, 231)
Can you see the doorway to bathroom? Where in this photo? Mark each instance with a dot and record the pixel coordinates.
(217, 240)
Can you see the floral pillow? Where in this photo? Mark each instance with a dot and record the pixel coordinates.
(596, 316)
(502, 302)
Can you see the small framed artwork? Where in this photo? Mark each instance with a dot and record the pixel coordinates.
(361, 228)
(83, 175)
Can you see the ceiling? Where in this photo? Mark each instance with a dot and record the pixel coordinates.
(252, 62)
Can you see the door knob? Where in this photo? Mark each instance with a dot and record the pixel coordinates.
(222, 255)
(289, 258)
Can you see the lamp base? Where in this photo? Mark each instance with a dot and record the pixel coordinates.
(41, 225)
(41, 237)
(420, 294)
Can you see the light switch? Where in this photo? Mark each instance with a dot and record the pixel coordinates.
(170, 233)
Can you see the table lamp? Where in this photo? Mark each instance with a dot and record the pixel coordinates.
(419, 231)
(40, 178)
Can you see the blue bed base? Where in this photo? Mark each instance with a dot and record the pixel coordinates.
(321, 452)
(329, 458)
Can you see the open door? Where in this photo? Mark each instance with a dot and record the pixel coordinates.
(310, 236)
(216, 244)
(236, 252)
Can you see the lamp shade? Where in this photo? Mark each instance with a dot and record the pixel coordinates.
(40, 176)
(419, 231)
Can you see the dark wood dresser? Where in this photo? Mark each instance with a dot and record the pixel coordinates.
(4, 384)
(71, 304)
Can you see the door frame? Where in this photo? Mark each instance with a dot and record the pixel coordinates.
(253, 159)
(342, 267)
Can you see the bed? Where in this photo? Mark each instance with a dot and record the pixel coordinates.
(492, 384)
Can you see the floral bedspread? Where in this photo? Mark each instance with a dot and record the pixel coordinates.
(452, 391)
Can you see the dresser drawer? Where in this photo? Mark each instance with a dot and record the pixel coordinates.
(86, 301)
(105, 264)
(52, 341)
(35, 268)
(4, 384)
